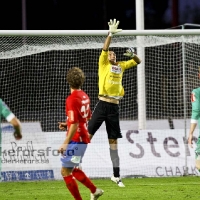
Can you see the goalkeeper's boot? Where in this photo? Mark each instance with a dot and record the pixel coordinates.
(118, 181)
(97, 194)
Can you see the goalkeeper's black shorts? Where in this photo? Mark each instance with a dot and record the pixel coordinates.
(108, 113)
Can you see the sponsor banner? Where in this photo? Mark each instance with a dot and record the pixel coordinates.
(27, 175)
(152, 153)
(24, 159)
(27, 127)
(27, 153)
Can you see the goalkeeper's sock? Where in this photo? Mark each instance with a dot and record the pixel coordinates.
(81, 177)
(72, 186)
(115, 162)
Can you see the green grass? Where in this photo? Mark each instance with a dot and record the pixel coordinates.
(173, 188)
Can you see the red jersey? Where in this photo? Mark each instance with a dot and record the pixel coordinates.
(78, 111)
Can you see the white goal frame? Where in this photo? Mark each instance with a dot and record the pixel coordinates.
(141, 83)
(140, 52)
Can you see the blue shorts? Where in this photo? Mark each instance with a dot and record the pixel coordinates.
(73, 154)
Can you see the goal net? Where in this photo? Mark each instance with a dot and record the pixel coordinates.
(33, 85)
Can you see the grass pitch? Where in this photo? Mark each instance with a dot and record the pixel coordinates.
(173, 188)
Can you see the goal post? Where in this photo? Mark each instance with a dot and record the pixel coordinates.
(158, 32)
(57, 43)
(33, 83)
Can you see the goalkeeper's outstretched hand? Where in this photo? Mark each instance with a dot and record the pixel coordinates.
(130, 52)
(113, 25)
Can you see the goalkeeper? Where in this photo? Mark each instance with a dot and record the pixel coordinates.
(110, 93)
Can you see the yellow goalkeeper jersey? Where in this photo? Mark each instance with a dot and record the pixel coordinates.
(110, 76)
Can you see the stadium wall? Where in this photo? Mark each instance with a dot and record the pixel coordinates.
(144, 153)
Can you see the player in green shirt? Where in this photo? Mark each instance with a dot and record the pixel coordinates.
(6, 113)
(11, 118)
(195, 119)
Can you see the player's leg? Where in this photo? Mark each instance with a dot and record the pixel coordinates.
(78, 173)
(197, 154)
(70, 183)
(0, 155)
(82, 177)
(114, 132)
(198, 163)
(67, 168)
(115, 162)
(98, 117)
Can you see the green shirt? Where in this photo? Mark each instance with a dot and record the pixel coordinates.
(5, 112)
(195, 100)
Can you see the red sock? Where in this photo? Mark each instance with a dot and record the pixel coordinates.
(80, 176)
(72, 187)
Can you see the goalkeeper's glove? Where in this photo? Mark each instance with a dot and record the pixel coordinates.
(130, 52)
(113, 25)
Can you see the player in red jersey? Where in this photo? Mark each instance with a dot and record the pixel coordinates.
(73, 148)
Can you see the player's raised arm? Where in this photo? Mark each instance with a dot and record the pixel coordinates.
(113, 29)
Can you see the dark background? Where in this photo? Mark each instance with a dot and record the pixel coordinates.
(93, 15)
